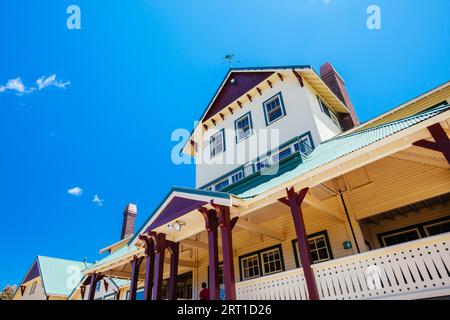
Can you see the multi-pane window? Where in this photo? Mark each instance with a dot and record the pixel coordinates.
(237, 176)
(250, 267)
(319, 247)
(261, 263)
(98, 286)
(400, 237)
(33, 288)
(283, 154)
(305, 144)
(221, 185)
(217, 143)
(262, 164)
(325, 109)
(243, 127)
(274, 109)
(271, 261)
(437, 228)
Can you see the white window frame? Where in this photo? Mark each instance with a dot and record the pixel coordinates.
(246, 134)
(314, 239)
(213, 145)
(266, 112)
(331, 113)
(399, 233)
(251, 257)
(267, 252)
(426, 226)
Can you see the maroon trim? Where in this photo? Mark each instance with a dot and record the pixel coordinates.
(33, 273)
(427, 145)
(243, 82)
(299, 77)
(150, 265)
(174, 248)
(176, 208)
(441, 139)
(294, 201)
(211, 224)
(135, 266)
(83, 291)
(226, 225)
(94, 278)
(160, 249)
(442, 143)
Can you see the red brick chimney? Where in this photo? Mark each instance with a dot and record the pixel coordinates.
(129, 218)
(334, 81)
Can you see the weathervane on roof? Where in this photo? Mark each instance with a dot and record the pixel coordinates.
(229, 59)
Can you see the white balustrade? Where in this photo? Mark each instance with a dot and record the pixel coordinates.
(412, 270)
(288, 285)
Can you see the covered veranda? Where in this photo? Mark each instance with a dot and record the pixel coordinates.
(409, 164)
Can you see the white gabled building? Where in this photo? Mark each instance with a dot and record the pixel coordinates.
(334, 209)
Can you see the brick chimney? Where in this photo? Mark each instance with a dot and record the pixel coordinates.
(334, 81)
(129, 217)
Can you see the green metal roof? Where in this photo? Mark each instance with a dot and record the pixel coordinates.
(56, 273)
(340, 146)
(115, 255)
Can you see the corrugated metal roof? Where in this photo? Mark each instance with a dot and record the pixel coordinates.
(115, 255)
(342, 145)
(56, 274)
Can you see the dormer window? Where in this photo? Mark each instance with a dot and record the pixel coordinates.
(274, 109)
(217, 143)
(325, 109)
(244, 127)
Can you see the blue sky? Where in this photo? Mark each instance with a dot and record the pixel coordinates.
(139, 69)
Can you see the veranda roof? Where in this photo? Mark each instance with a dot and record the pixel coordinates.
(342, 145)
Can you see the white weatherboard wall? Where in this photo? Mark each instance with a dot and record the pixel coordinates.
(303, 114)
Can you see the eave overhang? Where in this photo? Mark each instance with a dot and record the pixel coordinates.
(276, 74)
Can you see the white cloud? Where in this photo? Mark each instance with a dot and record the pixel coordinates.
(76, 191)
(98, 201)
(44, 82)
(16, 85)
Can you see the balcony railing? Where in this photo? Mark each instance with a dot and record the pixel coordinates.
(296, 146)
(413, 270)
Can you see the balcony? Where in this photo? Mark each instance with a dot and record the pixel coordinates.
(413, 270)
(298, 147)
